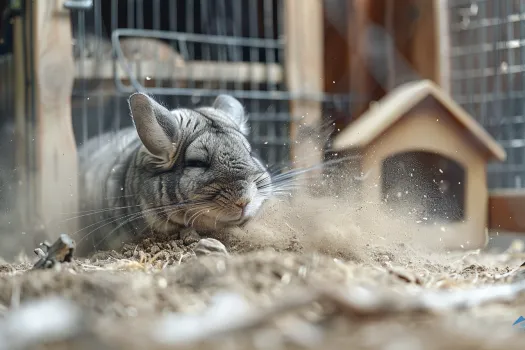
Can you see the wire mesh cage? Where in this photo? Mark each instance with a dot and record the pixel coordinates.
(185, 53)
(487, 58)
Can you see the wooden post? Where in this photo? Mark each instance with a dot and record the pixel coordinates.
(335, 57)
(21, 139)
(425, 39)
(362, 83)
(304, 75)
(416, 28)
(443, 34)
(506, 210)
(55, 150)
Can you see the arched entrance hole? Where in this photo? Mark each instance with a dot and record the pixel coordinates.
(430, 186)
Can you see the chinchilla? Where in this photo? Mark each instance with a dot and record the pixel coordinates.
(181, 171)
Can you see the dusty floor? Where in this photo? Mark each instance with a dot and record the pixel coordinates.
(313, 285)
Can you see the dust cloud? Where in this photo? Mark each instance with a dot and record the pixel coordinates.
(344, 227)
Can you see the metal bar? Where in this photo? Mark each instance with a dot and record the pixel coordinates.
(268, 35)
(190, 5)
(97, 13)
(253, 17)
(81, 35)
(116, 97)
(192, 37)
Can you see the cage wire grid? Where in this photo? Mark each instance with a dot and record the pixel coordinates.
(211, 31)
(12, 179)
(487, 60)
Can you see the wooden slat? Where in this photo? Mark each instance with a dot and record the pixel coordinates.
(415, 27)
(304, 74)
(336, 57)
(55, 147)
(21, 137)
(507, 210)
(362, 83)
(442, 22)
(425, 42)
(194, 70)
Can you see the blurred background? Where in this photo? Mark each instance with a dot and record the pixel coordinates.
(300, 67)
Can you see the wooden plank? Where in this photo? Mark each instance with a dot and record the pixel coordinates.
(21, 137)
(363, 86)
(425, 42)
(443, 33)
(416, 54)
(506, 208)
(336, 57)
(55, 147)
(194, 70)
(304, 75)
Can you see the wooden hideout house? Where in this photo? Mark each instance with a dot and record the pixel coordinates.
(426, 156)
(431, 41)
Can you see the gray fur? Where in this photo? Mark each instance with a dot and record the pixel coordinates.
(175, 169)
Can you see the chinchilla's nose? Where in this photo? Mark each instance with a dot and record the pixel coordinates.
(243, 192)
(243, 202)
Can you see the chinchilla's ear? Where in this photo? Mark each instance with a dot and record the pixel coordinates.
(157, 128)
(233, 109)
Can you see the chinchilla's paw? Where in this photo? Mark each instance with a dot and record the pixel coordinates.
(189, 236)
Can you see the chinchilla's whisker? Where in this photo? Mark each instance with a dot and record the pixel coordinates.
(115, 219)
(298, 171)
(195, 216)
(96, 211)
(290, 164)
(125, 216)
(101, 211)
(108, 220)
(199, 209)
(193, 208)
(112, 221)
(146, 226)
(127, 221)
(219, 213)
(280, 195)
(171, 213)
(283, 183)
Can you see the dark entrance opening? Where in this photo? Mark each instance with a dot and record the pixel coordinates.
(430, 185)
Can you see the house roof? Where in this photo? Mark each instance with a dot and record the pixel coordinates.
(397, 103)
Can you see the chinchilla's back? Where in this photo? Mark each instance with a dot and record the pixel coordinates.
(103, 163)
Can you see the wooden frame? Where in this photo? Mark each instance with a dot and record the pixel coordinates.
(505, 210)
(55, 174)
(416, 27)
(304, 75)
(21, 137)
(238, 72)
(441, 8)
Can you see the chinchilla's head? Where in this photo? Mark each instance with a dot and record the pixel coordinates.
(197, 167)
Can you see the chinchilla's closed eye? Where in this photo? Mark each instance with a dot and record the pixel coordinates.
(196, 163)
